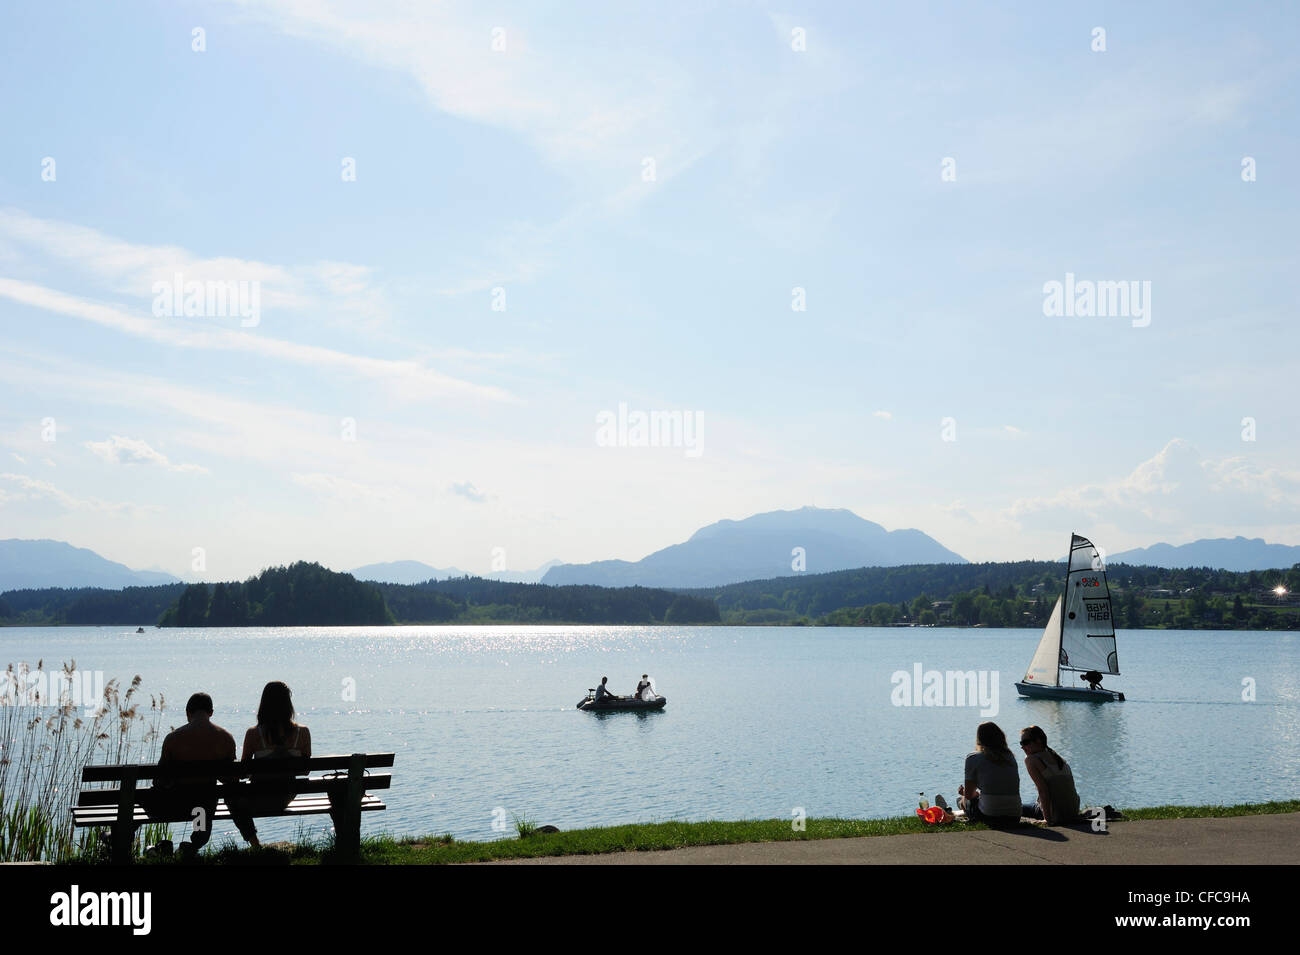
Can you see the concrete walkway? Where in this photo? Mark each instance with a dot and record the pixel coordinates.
(1238, 840)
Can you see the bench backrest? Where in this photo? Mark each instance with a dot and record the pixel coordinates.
(222, 769)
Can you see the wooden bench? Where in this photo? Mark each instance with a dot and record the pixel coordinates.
(342, 791)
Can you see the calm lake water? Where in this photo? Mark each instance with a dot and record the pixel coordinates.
(759, 720)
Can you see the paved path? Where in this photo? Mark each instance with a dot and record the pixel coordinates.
(1237, 840)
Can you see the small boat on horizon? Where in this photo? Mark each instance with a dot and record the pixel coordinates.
(1079, 636)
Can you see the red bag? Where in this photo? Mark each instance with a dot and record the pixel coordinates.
(935, 815)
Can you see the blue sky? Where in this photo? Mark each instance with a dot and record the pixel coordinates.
(523, 170)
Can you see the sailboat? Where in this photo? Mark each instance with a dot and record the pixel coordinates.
(1080, 634)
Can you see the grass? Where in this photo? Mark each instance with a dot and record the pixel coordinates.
(48, 734)
(646, 837)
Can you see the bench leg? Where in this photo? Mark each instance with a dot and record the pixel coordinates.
(123, 833)
(121, 840)
(347, 813)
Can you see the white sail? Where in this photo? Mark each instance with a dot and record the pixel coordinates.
(1088, 630)
(1043, 669)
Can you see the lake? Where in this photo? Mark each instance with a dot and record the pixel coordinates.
(760, 721)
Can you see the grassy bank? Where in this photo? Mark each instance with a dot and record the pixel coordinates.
(441, 850)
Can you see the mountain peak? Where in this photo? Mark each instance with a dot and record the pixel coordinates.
(770, 544)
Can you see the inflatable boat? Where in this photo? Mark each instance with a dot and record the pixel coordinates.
(612, 704)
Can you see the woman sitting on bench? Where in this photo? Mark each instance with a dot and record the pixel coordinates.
(276, 736)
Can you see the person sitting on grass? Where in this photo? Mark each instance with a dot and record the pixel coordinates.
(991, 792)
(199, 739)
(1058, 801)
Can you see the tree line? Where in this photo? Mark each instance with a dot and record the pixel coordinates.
(307, 594)
(1011, 594)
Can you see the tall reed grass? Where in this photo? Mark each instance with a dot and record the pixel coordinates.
(45, 744)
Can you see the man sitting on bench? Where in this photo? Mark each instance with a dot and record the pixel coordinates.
(198, 739)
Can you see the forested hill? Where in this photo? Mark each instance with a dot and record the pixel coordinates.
(1012, 595)
(88, 606)
(476, 600)
(306, 594)
(300, 595)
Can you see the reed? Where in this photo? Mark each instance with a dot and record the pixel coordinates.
(44, 745)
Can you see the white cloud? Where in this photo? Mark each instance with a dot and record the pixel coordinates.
(468, 491)
(122, 450)
(1177, 494)
(405, 378)
(589, 109)
(25, 490)
(884, 415)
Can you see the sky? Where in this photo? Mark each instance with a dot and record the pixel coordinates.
(465, 235)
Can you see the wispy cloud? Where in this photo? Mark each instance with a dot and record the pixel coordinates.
(24, 490)
(586, 109)
(407, 379)
(1179, 493)
(122, 450)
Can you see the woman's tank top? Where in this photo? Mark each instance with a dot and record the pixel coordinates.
(277, 752)
(1060, 784)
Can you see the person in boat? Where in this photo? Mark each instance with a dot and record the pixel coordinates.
(198, 739)
(1058, 800)
(991, 791)
(1093, 679)
(644, 691)
(603, 693)
(276, 736)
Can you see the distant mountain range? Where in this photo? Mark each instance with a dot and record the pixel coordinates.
(764, 546)
(726, 552)
(417, 572)
(1222, 553)
(46, 563)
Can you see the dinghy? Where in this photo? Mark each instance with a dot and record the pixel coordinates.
(1079, 636)
(615, 703)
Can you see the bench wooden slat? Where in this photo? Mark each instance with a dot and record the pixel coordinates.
(237, 769)
(314, 784)
(84, 816)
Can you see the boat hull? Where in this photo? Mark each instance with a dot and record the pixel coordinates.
(1038, 692)
(615, 706)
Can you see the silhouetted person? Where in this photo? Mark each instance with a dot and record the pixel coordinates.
(602, 691)
(276, 736)
(198, 739)
(1093, 679)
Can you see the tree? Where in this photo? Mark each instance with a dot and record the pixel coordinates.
(963, 609)
(192, 607)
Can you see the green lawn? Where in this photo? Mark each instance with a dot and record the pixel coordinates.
(439, 850)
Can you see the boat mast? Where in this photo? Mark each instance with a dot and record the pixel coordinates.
(1065, 608)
